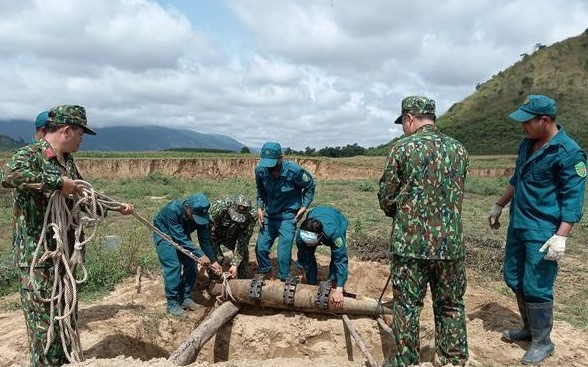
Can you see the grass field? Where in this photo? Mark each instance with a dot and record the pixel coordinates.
(356, 198)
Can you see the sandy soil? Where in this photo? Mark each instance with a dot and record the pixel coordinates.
(129, 329)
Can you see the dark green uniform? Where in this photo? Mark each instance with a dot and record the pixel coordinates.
(35, 173)
(422, 190)
(549, 188)
(179, 270)
(334, 236)
(231, 234)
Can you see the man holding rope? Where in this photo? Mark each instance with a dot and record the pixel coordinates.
(177, 220)
(36, 172)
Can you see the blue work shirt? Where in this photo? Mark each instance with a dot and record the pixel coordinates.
(548, 184)
(172, 220)
(282, 196)
(334, 236)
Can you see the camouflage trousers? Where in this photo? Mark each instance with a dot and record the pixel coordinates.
(37, 313)
(447, 280)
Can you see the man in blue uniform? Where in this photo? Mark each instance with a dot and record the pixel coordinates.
(41, 125)
(324, 225)
(284, 191)
(178, 219)
(546, 195)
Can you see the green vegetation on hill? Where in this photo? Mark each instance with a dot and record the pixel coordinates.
(7, 143)
(560, 71)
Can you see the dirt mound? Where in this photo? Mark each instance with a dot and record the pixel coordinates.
(129, 329)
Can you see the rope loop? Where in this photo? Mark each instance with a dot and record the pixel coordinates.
(77, 215)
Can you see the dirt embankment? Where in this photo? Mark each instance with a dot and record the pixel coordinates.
(217, 168)
(130, 329)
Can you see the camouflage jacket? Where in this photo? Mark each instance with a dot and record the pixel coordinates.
(228, 233)
(422, 190)
(34, 173)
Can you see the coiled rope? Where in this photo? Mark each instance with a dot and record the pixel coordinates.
(84, 216)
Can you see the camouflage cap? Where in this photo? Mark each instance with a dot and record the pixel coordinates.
(239, 207)
(416, 104)
(70, 115)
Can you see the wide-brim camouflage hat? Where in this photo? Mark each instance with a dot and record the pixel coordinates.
(239, 208)
(70, 115)
(236, 216)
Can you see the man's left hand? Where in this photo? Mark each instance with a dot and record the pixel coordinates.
(336, 298)
(216, 268)
(556, 247)
(126, 209)
(233, 271)
(300, 213)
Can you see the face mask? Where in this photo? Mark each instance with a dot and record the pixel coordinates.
(310, 238)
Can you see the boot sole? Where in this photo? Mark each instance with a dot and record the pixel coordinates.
(512, 340)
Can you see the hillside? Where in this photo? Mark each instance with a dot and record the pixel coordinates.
(561, 71)
(6, 143)
(133, 138)
(481, 120)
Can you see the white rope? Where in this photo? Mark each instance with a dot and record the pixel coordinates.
(226, 288)
(84, 215)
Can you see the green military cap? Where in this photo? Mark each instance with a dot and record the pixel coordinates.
(70, 115)
(416, 104)
(199, 205)
(534, 105)
(270, 152)
(239, 207)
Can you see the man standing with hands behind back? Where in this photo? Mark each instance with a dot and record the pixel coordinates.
(422, 190)
(546, 196)
(284, 192)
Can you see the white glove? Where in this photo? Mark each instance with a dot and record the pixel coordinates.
(493, 216)
(556, 246)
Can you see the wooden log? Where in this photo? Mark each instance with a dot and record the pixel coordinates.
(384, 326)
(138, 280)
(272, 296)
(188, 350)
(358, 341)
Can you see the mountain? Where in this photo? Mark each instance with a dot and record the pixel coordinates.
(6, 143)
(560, 71)
(481, 120)
(132, 138)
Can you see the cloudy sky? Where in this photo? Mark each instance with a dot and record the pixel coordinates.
(302, 72)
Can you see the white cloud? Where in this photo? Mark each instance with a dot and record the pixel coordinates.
(306, 73)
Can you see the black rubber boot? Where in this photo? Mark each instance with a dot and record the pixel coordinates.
(540, 325)
(524, 333)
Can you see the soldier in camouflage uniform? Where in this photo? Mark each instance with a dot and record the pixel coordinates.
(233, 220)
(422, 191)
(35, 172)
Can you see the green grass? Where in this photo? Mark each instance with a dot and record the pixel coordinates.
(356, 198)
